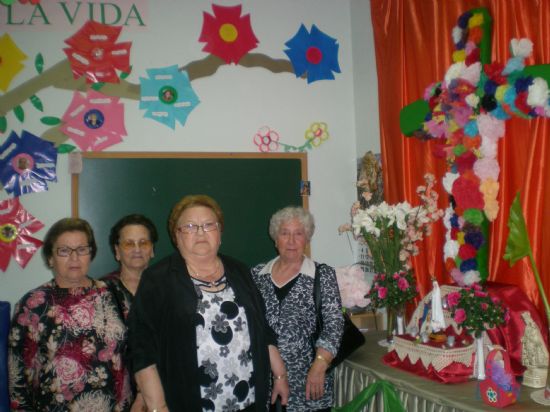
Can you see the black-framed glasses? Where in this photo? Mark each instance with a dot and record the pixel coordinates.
(194, 228)
(66, 251)
(129, 244)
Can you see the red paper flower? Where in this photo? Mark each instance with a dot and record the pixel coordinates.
(16, 227)
(466, 193)
(94, 53)
(227, 35)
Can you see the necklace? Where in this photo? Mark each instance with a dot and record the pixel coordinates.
(209, 278)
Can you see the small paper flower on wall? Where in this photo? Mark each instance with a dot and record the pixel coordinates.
(16, 227)
(314, 54)
(167, 95)
(317, 133)
(95, 121)
(27, 164)
(266, 139)
(29, 1)
(227, 34)
(11, 57)
(93, 53)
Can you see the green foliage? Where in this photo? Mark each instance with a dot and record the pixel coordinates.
(65, 148)
(517, 245)
(19, 113)
(3, 124)
(39, 63)
(50, 120)
(36, 102)
(124, 75)
(97, 86)
(389, 395)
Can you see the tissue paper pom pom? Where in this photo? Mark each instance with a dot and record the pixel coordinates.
(515, 64)
(474, 238)
(457, 276)
(456, 34)
(459, 56)
(454, 71)
(473, 216)
(450, 264)
(468, 264)
(470, 277)
(489, 187)
(487, 168)
(466, 193)
(521, 47)
(491, 209)
(448, 181)
(467, 251)
(490, 127)
(450, 249)
(472, 73)
(538, 92)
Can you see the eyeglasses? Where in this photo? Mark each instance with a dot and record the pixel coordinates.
(129, 244)
(66, 251)
(194, 228)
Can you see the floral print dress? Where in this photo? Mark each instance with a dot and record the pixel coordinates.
(65, 351)
(293, 319)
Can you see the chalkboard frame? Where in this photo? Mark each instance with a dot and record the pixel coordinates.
(81, 159)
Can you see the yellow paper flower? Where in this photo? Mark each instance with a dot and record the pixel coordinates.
(317, 133)
(11, 57)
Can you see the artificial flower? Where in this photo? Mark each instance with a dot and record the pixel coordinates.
(94, 53)
(167, 95)
(266, 139)
(474, 309)
(94, 121)
(17, 226)
(11, 57)
(392, 290)
(27, 164)
(353, 286)
(317, 133)
(314, 54)
(227, 34)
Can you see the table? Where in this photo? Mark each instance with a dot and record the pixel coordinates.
(417, 394)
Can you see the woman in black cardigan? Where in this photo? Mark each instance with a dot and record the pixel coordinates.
(198, 335)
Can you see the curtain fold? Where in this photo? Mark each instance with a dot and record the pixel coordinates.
(414, 47)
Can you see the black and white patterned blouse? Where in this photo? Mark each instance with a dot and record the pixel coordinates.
(293, 320)
(223, 350)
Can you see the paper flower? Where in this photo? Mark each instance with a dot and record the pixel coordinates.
(16, 227)
(11, 57)
(93, 53)
(27, 164)
(353, 286)
(266, 139)
(95, 121)
(314, 54)
(227, 34)
(167, 95)
(317, 133)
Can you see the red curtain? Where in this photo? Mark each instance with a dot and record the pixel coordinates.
(413, 46)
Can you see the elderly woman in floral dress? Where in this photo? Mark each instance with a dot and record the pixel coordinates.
(67, 337)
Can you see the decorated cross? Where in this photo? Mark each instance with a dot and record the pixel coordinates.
(466, 114)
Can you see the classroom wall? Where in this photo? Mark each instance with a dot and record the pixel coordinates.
(235, 103)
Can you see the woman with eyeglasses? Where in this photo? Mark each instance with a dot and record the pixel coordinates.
(132, 241)
(198, 334)
(67, 338)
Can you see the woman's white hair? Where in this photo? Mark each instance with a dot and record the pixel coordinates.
(289, 213)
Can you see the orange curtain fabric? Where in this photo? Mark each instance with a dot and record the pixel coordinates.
(414, 48)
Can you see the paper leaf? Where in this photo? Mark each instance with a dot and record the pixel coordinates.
(124, 75)
(36, 102)
(50, 120)
(19, 113)
(65, 148)
(517, 245)
(39, 63)
(3, 124)
(97, 86)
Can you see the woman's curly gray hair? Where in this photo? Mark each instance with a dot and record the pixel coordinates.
(288, 213)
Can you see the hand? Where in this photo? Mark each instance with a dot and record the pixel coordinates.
(315, 382)
(280, 388)
(139, 404)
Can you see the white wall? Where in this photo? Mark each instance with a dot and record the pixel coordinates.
(235, 103)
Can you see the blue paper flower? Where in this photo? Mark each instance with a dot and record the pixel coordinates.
(27, 164)
(313, 53)
(167, 95)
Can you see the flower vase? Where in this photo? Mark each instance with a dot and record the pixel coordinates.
(480, 359)
(400, 320)
(390, 324)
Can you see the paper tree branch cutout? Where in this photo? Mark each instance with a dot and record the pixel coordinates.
(227, 34)
(95, 121)
(518, 246)
(94, 53)
(314, 54)
(167, 95)
(466, 114)
(16, 229)
(27, 164)
(91, 61)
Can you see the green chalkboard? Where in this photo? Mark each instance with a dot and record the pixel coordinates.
(249, 188)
